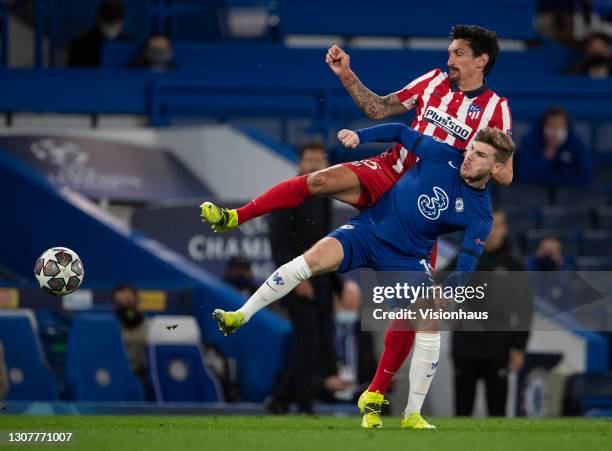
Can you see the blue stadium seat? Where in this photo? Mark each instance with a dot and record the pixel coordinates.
(584, 392)
(593, 263)
(268, 60)
(596, 243)
(522, 195)
(565, 218)
(412, 18)
(573, 196)
(97, 367)
(177, 368)
(604, 218)
(520, 218)
(29, 376)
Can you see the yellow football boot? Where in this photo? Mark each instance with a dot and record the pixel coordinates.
(220, 219)
(416, 421)
(228, 322)
(370, 405)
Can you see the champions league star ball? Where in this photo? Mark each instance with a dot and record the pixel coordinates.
(59, 271)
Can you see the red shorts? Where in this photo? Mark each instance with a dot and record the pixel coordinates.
(378, 174)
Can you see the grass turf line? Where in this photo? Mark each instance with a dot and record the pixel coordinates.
(229, 433)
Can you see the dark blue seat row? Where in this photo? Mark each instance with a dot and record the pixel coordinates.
(261, 90)
(587, 243)
(268, 59)
(97, 368)
(433, 18)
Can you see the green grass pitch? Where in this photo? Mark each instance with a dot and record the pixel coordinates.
(290, 433)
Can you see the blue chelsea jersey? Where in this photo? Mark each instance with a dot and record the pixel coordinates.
(431, 199)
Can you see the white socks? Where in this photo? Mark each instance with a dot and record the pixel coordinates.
(422, 369)
(281, 282)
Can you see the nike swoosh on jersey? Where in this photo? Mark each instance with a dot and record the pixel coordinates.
(450, 163)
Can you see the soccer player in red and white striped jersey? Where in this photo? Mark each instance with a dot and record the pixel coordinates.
(450, 106)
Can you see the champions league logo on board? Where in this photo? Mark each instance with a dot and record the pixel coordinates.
(69, 162)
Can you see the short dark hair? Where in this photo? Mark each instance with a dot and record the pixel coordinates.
(313, 144)
(124, 286)
(480, 41)
(111, 11)
(555, 111)
(499, 140)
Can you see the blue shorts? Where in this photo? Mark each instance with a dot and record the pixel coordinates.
(363, 249)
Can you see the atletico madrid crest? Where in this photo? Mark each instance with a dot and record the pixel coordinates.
(474, 112)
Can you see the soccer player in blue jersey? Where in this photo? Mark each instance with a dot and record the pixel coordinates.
(444, 192)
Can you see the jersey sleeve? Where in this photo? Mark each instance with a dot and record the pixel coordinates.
(401, 133)
(472, 247)
(502, 117)
(410, 94)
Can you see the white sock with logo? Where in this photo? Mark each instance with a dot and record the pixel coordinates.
(281, 282)
(422, 369)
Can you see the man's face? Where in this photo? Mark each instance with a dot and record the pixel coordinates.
(312, 160)
(479, 162)
(112, 30)
(550, 247)
(556, 129)
(598, 47)
(462, 64)
(125, 298)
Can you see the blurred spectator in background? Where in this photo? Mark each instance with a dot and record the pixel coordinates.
(550, 282)
(156, 54)
(548, 256)
(4, 382)
(238, 273)
(292, 232)
(86, 49)
(493, 354)
(552, 153)
(596, 60)
(354, 348)
(555, 19)
(134, 328)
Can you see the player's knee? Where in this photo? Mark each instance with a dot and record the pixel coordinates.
(314, 257)
(318, 182)
(325, 256)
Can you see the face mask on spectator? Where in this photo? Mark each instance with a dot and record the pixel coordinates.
(111, 31)
(546, 263)
(347, 317)
(559, 134)
(129, 316)
(158, 56)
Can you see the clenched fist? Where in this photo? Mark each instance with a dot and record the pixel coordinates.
(348, 138)
(338, 60)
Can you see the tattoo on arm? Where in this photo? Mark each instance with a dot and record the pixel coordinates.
(373, 105)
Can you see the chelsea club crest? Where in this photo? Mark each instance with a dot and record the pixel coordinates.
(459, 205)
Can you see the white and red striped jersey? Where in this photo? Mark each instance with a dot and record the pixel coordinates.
(451, 115)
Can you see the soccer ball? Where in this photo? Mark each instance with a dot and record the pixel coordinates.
(59, 271)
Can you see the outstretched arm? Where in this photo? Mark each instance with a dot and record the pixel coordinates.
(471, 250)
(381, 133)
(373, 105)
